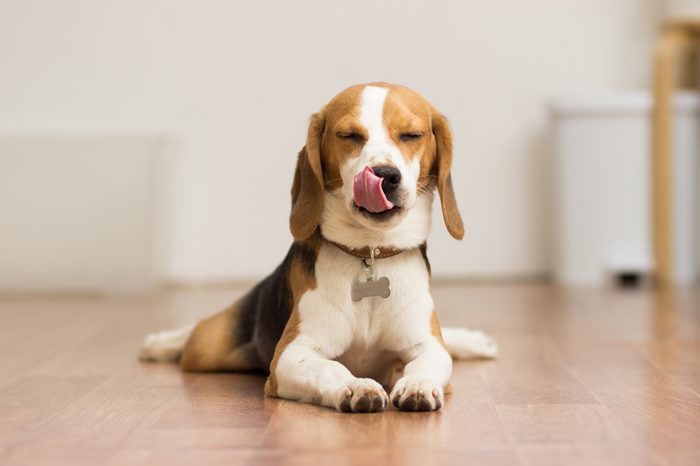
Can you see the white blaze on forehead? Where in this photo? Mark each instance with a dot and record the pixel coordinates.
(372, 114)
(379, 149)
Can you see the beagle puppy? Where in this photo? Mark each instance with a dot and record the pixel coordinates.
(348, 316)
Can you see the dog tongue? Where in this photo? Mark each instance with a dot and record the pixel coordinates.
(367, 188)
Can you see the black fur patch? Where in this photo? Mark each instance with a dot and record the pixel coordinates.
(307, 258)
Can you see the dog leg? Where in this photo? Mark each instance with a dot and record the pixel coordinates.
(303, 374)
(424, 378)
(210, 345)
(469, 344)
(213, 345)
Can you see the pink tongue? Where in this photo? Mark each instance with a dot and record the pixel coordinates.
(368, 192)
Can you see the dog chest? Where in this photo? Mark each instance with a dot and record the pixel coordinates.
(340, 326)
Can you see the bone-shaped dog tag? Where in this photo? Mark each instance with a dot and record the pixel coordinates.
(370, 288)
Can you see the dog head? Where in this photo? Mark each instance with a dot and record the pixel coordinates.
(372, 160)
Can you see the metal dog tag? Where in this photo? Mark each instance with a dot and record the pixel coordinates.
(371, 287)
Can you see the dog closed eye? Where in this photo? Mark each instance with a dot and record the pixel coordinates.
(351, 136)
(410, 136)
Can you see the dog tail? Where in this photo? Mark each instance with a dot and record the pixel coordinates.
(463, 343)
(165, 346)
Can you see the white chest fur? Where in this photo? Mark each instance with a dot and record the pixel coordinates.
(366, 333)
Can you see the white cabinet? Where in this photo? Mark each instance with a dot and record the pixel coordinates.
(602, 194)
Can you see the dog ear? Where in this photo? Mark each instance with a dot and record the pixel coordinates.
(443, 162)
(308, 185)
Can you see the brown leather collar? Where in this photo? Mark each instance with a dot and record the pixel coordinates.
(364, 253)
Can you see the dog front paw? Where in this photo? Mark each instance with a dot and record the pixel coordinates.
(416, 394)
(362, 396)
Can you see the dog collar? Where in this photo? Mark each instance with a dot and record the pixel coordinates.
(366, 252)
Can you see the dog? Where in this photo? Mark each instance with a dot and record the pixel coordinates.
(348, 316)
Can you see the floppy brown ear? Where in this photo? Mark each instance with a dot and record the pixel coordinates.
(443, 160)
(308, 186)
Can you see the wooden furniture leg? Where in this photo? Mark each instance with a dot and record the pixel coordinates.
(665, 76)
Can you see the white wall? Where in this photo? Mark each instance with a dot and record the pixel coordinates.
(233, 83)
(78, 212)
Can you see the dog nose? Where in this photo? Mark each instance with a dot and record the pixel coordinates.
(391, 178)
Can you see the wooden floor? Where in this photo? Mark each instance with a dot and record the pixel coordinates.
(585, 377)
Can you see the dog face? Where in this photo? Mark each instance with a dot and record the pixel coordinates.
(407, 146)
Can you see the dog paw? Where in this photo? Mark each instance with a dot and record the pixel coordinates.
(166, 345)
(415, 394)
(156, 348)
(362, 396)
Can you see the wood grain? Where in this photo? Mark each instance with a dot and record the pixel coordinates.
(597, 377)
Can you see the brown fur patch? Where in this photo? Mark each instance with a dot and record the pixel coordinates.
(212, 348)
(435, 328)
(407, 112)
(443, 160)
(342, 115)
(308, 185)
